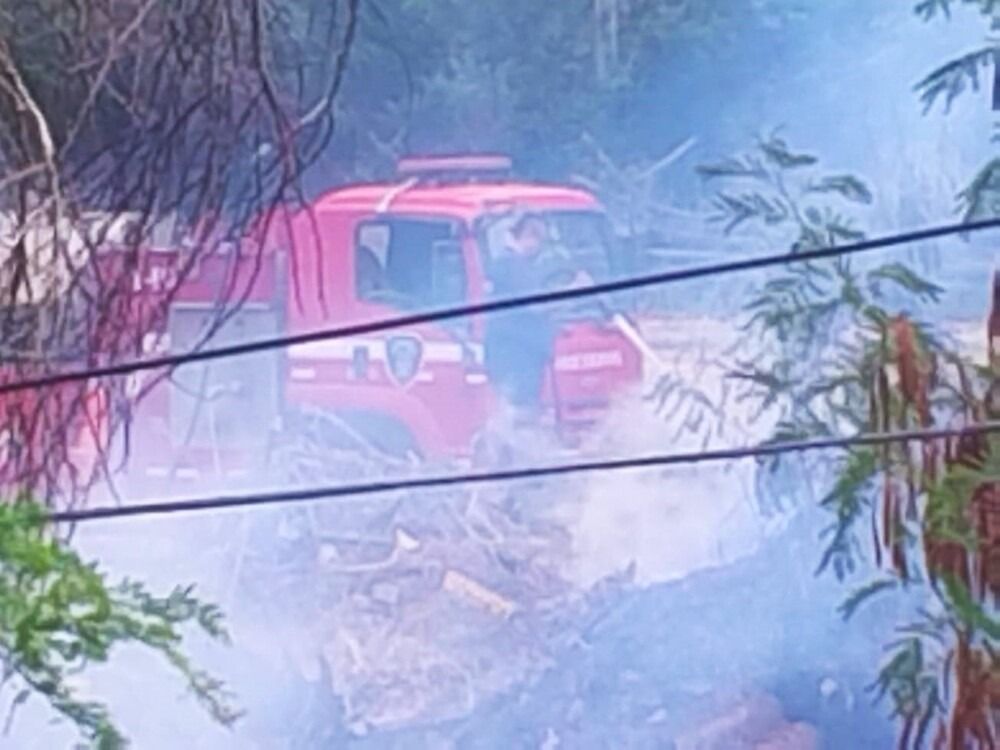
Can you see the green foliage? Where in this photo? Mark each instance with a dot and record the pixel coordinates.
(970, 613)
(820, 336)
(952, 79)
(902, 276)
(768, 195)
(930, 9)
(854, 602)
(816, 327)
(776, 151)
(955, 77)
(848, 501)
(819, 331)
(946, 515)
(58, 615)
(981, 199)
(848, 186)
(947, 505)
(912, 681)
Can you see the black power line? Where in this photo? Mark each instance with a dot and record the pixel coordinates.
(282, 497)
(542, 298)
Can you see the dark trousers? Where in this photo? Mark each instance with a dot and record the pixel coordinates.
(516, 368)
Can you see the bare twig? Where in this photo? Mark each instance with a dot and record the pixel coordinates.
(129, 112)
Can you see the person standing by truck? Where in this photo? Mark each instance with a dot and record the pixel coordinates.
(520, 343)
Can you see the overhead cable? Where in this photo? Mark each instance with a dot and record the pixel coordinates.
(442, 481)
(498, 305)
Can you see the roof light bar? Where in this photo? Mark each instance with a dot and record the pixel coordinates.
(467, 166)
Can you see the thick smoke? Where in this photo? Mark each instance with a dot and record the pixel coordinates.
(719, 601)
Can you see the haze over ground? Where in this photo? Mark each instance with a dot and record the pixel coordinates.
(839, 82)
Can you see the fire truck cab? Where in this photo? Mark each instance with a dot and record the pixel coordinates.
(362, 253)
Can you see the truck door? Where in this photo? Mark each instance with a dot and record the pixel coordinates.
(409, 264)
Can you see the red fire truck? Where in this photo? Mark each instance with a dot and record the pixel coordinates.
(424, 240)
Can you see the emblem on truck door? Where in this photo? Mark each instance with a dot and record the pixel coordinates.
(403, 355)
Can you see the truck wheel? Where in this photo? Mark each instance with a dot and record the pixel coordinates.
(382, 435)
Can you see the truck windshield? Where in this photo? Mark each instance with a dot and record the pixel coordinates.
(409, 263)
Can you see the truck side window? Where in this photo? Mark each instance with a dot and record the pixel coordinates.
(369, 260)
(409, 263)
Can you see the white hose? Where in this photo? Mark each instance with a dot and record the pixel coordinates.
(649, 355)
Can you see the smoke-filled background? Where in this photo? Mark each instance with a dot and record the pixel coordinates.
(625, 610)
